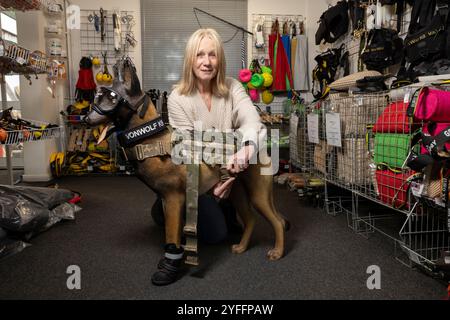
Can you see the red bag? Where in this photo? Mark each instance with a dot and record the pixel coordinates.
(393, 188)
(394, 119)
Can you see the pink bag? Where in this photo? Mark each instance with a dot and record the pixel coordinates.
(433, 105)
(433, 129)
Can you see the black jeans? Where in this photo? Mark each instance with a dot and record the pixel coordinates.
(215, 220)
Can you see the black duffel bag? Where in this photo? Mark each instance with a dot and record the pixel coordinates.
(427, 34)
(384, 48)
(333, 23)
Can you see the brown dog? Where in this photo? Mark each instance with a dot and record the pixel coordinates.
(250, 190)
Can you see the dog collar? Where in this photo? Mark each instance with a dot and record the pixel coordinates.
(129, 137)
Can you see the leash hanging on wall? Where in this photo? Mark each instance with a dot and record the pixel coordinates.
(244, 31)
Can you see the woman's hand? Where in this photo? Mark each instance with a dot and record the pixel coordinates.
(222, 189)
(240, 160)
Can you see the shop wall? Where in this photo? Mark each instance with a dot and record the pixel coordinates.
(291, 7)
(36, 100)
(310, 10)
(314, 10)
(129, 5)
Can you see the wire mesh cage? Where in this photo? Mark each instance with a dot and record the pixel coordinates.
(22, 5)
(36, 131)
(14, 58)
(425, 237)
(300, 147)
(369, 154)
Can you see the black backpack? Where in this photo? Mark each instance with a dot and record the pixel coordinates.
(383, 48)
(333, 23)
(427, 33)
(324, 73)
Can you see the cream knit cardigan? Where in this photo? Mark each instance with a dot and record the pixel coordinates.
(237, 112)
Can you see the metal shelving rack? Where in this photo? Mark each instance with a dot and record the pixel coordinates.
(18, 60)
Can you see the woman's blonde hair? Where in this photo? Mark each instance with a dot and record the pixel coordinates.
(187, 84)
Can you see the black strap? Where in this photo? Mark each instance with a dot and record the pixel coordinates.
(421, 15)
(436, 145)
(399, 11)
(130, 137)
(412, 103)
(144, 107)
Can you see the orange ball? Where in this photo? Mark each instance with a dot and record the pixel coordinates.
(3, 135)
(26, 134)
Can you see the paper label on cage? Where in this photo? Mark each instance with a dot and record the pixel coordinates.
(407, 96)
(333, 129)
(90, 168)
(313, 128)
(417, 189)
(20, 60)
(122, 168)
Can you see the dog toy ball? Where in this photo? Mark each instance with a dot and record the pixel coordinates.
(245, 75)
(268, 79)
(3, 135)
(265, 69)
(250, 86)
(267, 97)
(96, 61)
(26, 134)
(254, 95)
(99, 76)
(257, 80)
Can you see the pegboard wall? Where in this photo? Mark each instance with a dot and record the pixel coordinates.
(352, 44)
(91, 43)
(267, 21)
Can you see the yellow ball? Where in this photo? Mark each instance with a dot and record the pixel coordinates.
(267, 97)
(268, 79)
(96, 61)
(99, 76)
(106, 77)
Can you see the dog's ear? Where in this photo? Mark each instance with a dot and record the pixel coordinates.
(130, 79)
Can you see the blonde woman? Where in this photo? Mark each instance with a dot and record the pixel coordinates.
(205, 94)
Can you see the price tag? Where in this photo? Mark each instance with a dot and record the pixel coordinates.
(20, 60)
(360, 101)
(122, 168)
(407, 97)
(90, 168)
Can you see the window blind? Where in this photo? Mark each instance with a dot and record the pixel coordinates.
(166, 27)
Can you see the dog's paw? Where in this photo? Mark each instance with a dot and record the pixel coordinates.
(274, 254)
(238, 248)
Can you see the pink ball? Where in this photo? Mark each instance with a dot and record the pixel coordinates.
(245, 75)
(254, 95)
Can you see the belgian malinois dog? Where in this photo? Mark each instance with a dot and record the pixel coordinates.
(128, 107)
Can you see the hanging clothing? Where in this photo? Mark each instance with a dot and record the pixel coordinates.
(300, 66)
(287, 47)
(293, 56)
(282, 78)
(85, 87)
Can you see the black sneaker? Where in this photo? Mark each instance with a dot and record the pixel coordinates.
(169, 267)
